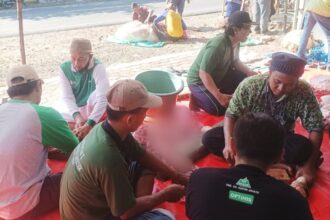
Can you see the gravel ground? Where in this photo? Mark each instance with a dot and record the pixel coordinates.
(47, 51)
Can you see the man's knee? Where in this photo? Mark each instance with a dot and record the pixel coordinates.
(298, 149)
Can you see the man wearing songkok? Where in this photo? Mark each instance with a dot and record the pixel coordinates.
(286, 98)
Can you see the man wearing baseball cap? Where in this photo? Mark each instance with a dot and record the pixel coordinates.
(84, 83)
(104, 177)
(217, 70)
(285, 97)
(27, 188)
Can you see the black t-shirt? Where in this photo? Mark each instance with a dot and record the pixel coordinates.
(242, 192)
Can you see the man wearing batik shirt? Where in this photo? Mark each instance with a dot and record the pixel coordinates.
(286, 98)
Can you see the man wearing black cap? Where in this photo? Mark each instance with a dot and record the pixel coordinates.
(286, 98)
(217, 70)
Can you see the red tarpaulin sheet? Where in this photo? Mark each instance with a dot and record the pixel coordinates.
(319, 198)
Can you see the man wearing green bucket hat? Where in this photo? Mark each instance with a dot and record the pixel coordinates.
(217, 70)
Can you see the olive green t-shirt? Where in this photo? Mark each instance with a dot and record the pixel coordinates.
(214, 58)
(95, 182)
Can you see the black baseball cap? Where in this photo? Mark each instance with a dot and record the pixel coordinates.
(239, 17)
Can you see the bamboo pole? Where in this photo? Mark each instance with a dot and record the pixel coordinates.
(20, 26)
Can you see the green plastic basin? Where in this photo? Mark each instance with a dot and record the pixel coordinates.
(167, 85)
(161, 83)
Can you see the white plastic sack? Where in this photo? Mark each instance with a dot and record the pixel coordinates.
(136, 31)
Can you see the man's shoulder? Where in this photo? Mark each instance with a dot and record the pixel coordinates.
(97, 61)
(217, 41)
(207, 174)
(100, 147)
(46, 112)
(254, 82)
(303, 92)
(257, 78)
(304, 86)
(144, 8)
(66, 64)
(284, 193)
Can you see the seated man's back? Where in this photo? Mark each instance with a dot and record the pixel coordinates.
(245, 191)
(27, 187)
(242, 192)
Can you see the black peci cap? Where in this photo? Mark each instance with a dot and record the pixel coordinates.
(287, 63)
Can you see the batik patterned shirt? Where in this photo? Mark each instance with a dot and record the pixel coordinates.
(254, 95)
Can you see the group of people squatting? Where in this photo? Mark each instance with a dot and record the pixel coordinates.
(109, 175)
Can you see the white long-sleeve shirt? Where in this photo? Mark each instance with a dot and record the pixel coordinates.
(85, 90)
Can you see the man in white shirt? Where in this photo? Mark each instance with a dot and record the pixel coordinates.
(27, 187)
(84, 84)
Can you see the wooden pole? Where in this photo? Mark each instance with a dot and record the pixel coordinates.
(295, 16)
(285, 14)
(21, 33)
(223, 7)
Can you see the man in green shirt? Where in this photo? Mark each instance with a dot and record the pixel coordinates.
(104, 178)
(286, 98)
(217, 70)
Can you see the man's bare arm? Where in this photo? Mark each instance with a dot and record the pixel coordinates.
(228, 151)
(310, 168)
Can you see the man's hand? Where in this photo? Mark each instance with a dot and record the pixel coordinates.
(174, 193)
(301, 186)
(182, 178)
(308, 172)
(229, 155)
(224, 99)
(82, 131)
(326, 122)
(252, 73)
(80, 121)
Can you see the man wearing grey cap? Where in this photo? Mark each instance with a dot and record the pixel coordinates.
(286, 98)
(104, 177)
(83, 83)
(27, 187)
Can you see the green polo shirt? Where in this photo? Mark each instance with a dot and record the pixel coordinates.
(95, 182)
(214, 58)
(300, 103)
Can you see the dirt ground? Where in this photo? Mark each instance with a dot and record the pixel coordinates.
(47, 51)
